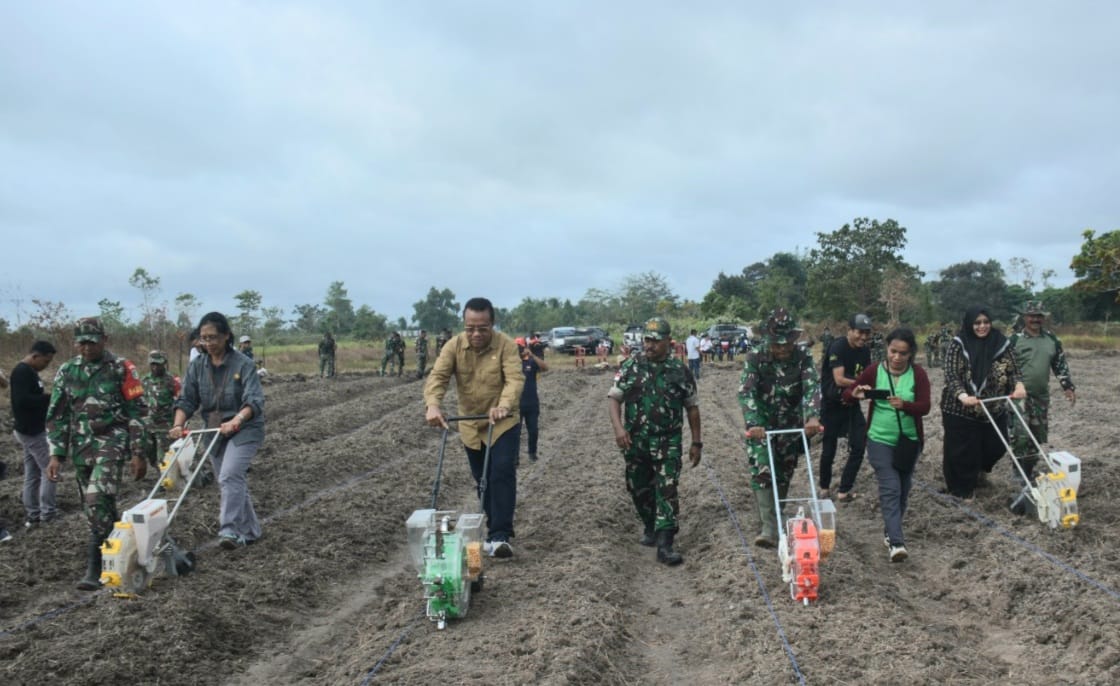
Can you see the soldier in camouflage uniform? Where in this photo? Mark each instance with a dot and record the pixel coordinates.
(421, 353)
(94, 421)
(1038, 352)
(658, 390)
(779, 390)
(394, 351)
(878, 347)
(442, 339)
(160, 391)
(826, 342)
(327, 348)
(933, 350)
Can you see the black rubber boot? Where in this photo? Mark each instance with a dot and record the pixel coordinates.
(665, 553)
(649, 537)
(92, 579)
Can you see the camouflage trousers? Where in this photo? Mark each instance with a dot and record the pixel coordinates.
(653, 470)
(155, 442)
(787, 449)
(390, 359)
(326, 365)
(1036, 410)
(98, 470)
(421, 362)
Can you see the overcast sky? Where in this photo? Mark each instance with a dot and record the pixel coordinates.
(535, 149)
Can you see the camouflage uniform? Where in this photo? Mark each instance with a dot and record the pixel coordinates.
(159, 400)
(933, 350)
(441, 340)
(421, 353)
(327, 349)
(654, 396)
(394, 352)
(776, 394)
(93, 421)
(826, 342)
(878, 348)
(1037, 357)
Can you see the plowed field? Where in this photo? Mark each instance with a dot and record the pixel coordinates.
(329, 595)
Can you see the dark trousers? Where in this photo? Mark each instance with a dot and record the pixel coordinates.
(530, 417)
(501, 482)
(842, 420)
(970, 446)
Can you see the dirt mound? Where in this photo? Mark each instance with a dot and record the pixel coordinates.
(329, 596)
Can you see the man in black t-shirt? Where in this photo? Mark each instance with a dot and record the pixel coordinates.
(29, 410)
(844, 360)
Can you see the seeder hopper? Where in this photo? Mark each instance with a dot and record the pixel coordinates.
(1052, 492)
(807, 538)
(140, 545)
(446, 546)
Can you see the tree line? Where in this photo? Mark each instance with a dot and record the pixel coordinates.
(856, 268)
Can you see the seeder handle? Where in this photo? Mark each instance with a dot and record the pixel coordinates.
(1026, 427)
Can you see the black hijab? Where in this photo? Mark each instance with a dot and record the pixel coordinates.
(981, 351)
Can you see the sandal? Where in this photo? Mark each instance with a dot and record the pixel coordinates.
(846, 497)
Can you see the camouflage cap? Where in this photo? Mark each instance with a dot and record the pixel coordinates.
(157, 357)
(657, 328)
(88, 329)
(781, 327)
(1034, 307)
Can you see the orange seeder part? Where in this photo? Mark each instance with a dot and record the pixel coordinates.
(806, 559)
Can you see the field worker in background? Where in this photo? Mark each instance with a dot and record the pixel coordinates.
(160, 391)
(421, 354)
(488, 381)
(327, 349)
(441, 340)
(530, 406)
(93, 422)
(392, 343)
(692, 350)
(196, 346)
(1037, 352)
(778, 391)
(705, 348)
(657, 390)
(245, 347)
(845, 359)
(29, 410)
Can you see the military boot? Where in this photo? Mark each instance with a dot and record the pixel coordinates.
(649, 537)
(767, 518)
(665, 553)
(92, 579)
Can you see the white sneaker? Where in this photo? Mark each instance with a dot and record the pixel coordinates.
(887, 542)
(498, 549)
(898, 553)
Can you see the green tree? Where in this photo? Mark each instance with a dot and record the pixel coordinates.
(273, 322)
(248, 302)
(846, 271)
(340, 310)
(112, 315)
(369, 325)
(645, 295)
(436, 311)
(186, 306)
(148, 285)
(308, 318)
(1097, 266)
(965, 284)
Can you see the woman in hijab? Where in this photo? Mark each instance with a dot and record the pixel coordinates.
(979, 364)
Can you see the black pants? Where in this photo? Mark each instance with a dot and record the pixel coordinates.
(842, 420)
(530, 416)
(970, 446)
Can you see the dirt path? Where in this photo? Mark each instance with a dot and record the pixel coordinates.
(329, 593)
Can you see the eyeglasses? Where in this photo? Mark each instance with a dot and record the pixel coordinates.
(982, 322)
(211, 339)
(476, 329)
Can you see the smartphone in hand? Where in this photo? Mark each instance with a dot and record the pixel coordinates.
(877, 394)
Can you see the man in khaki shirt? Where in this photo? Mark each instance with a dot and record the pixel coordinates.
(488, 380)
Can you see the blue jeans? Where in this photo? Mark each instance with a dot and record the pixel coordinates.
(501, 483)
(39, 492)
(530, 417)
(694, 365)
(894, 489)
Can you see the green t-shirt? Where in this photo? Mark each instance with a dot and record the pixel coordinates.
(884, 426)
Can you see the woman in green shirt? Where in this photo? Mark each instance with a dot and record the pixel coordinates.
(907, 400)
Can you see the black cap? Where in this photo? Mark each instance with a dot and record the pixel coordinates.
(860, 322)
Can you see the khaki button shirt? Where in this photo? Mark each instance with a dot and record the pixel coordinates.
(483, 380)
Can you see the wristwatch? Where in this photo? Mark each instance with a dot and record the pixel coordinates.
(697, 444)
